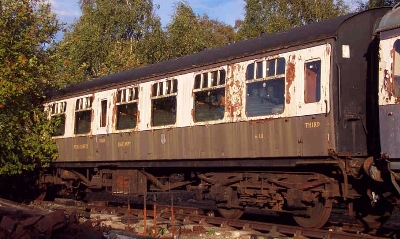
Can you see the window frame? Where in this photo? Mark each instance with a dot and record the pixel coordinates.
(127, 96)
(165, 88)
(83, 104)
(103, 113)
(265, 78)
(220, 83)
(59, 109)
(318, 81)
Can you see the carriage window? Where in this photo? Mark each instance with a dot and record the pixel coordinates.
(209, 101)
(83, 115)
(127, 108)
(164, 102)
(250, 71)
(265, 95)
(103, 115)
(396, 70)
(58, 113)
(312, 82)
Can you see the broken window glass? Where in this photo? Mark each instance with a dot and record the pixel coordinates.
(265, 97)
(164, 111)
(83, 115)
(83, 121)
(127, 108)
(209, 105)
(127, 116)
(209, 101)
(164, 103)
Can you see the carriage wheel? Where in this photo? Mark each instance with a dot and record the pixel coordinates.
(318, 214)
(233, 213)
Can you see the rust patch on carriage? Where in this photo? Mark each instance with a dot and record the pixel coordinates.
(290, 74)
(137, 120)
(262, 120)
(234, 91)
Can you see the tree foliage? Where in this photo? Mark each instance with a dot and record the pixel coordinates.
(26, 29)
(265, 16)
(104, 39)
(189, 33)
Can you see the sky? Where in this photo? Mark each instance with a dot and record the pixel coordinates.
(222, 10)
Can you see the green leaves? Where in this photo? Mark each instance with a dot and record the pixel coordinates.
(105, 38)
(188, 33)
(264, 16)
(26, 26)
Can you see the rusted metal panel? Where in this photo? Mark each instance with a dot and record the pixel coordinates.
(8, 224)
(234, 91)
(290, 76)
(258, 139)
(51, 220)
(315, 135)
(129, 182)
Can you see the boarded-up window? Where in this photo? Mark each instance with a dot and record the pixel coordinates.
(396, 68)
(164, 102)
(209, 100)
(266, 94)
(127, 108)
(83, 115)
(312, 81)
(57, 113)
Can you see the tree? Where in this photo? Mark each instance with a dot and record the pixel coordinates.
(104, 39)
(152, 48)
(188, 33)
(27, 27)
(265, 16)
(375, 3)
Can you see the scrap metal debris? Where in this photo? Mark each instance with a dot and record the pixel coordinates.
(53, 225)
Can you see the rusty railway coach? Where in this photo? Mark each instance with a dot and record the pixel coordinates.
(289, 122)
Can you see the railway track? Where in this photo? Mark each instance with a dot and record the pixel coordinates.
(178, 219)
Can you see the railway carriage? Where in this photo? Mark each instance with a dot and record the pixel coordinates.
(289, 122)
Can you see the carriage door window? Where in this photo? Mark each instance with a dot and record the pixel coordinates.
(103, 117)
(396, 68)
(83, 115)
(312, 81)
(164, 102)
(58, 114)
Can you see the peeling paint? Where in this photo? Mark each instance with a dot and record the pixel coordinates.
(387, 85)
(328, 49)
(234, 92)
(290, 75)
